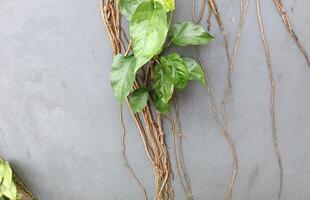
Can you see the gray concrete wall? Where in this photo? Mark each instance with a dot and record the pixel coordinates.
(59, 120)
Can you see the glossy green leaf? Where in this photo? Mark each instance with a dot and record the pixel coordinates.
(138, 99)
(122, 76)
(195, 70)
(179, 68)
(11, 192)
(163, 83)
(188, 33)
(2, 164)
(7, 177)
(128, 7)
(160, 105)
(148, 31)
(168, 4)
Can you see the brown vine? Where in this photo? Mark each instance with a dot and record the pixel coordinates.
(272, 98)
(212, 8)
(288, 26)
(228, 137)
(23, 189)
(178, 152)
(125, 157)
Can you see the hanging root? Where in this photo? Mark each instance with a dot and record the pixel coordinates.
(125, 157)
(243, 9)
(288, 26)
(228, 85)
(202, 9)
(177, 134)
(223, 127)
(209, 16)
(272, 100)
(180, 145)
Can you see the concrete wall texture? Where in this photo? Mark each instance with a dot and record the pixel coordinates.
(59, 122)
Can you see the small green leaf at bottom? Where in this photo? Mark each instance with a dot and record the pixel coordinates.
(11, 192)
(138, 99)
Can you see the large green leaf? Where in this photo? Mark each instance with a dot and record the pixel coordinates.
(138, 99)
(168, 4)
(179, 68)
(160, 105)
(148, 31)
(7, 177)
(188, 33)
(122, 76)
(2, 164)
(163, 83)
(195, 70)
(128, 7)
(11, 192)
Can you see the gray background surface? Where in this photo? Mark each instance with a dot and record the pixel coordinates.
(59, 120)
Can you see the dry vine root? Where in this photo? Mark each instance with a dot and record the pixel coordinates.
(288, 26)
(272, 98)
(145, 78)
(178, 153)
(212, 8)
(22, 189)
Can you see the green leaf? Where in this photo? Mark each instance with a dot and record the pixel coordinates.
(168, 4)
(128, 7)
(188, 33)
(195, 70)
(138, 99)
(160, 105)
(7, 177)
(122, 76)
(163, 82)
(179, 68)
(2, 164)
(148, 31)
(11, 192)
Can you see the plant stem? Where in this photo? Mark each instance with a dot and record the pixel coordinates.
(272, 98)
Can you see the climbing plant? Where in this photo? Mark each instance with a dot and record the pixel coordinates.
(146, 76)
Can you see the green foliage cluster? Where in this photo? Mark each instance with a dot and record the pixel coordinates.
(8, 189)
(150, 34)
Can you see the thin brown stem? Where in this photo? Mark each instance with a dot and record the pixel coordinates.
(126, 163)
(180, 145)
(175, 153)
(198, 18)
(227, 88)
(222, 129)
(209, 16)
(272, 98)
(288, 26)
